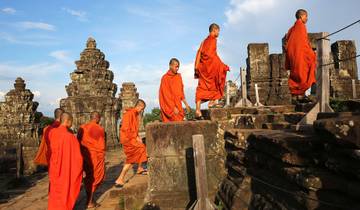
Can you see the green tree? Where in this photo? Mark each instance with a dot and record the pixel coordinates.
(154, 115)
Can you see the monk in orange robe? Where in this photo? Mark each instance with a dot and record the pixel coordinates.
(133, 146)
(42, 156)
(300, 58)
(92, 139)
(210, 72)
(65, 166)
(171, 94)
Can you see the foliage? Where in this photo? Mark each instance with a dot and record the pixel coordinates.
(153, 116)
(338, 105)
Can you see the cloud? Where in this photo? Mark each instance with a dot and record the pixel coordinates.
(81, 15)
(127, 45)
(29, 25)
(36, 93)
(2, 96)
(8, 10)
(240, 8)
(26, 39)
(62, 56)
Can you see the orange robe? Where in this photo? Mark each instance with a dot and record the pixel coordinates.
(300, 59)
(42, 156)
(211, 72)
(92, 140)
(65, 169)
(171, 94)
(134, 150)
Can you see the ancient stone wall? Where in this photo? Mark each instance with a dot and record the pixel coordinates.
(268, 72)
(92, 89)
(270, 169)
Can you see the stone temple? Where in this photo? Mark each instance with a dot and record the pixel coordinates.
(92, 89)
(19, 122)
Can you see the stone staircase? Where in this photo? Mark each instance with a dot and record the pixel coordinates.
(281, 169)
(267, 117)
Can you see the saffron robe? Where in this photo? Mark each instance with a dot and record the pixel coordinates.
(42, 156)
(171, 94)
(300, 59)
(211, 72)
(92, 140)
(134, 150)
(65, 169)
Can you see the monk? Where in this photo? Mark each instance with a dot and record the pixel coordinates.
(300, 58)
(210, 72)
(133, 146)
(65, 166)
(42, 156)
(171, 94)
(92, 140)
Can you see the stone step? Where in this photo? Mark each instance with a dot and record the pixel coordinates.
(277, 126)
(217, 114)
(246, 121)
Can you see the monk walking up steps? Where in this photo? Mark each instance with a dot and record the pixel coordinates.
(92, 140)
(210, 72)
(65, 166)
(300, 58)
(42, 156)
(133, 146)
(171, 94)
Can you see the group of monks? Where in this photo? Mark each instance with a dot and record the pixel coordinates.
(211, 73)
(71, 159)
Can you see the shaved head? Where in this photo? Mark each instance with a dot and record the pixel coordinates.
(66, 119)
(213, 26)
(58, 112)
(95, 116)
(174, 60)
(299, 13)
(140, 102)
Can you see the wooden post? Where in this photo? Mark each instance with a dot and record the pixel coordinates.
(202, 202)
(322, 83)
(257, 103)
(243, 100)
(354, 89)
(227, 93)
(19, 166)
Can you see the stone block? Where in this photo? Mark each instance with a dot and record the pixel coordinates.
(171, 169)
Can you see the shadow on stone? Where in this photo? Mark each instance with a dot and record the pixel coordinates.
(190, 171)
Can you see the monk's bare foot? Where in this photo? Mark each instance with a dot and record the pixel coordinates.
(92, 205)
(119, 182)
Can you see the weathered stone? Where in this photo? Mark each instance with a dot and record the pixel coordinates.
(345, 129)
(171, 169)
(92, 89)
(18, 122)
(343, 50)
(128, 96)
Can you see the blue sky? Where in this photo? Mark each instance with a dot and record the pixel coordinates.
(40, 40)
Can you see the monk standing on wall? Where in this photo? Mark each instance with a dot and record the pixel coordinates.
(210, 72)
(300, 58)
(171, 94)
(133, 146)
(92, 139)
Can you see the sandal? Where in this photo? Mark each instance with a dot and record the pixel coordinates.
(199, 117)
(144, 172)
(119, 185)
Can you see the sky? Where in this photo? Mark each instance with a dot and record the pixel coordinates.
(40, 39)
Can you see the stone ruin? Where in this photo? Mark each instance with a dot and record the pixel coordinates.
(128, 96)
(19, 122)
(268, 71)
(92, 89)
